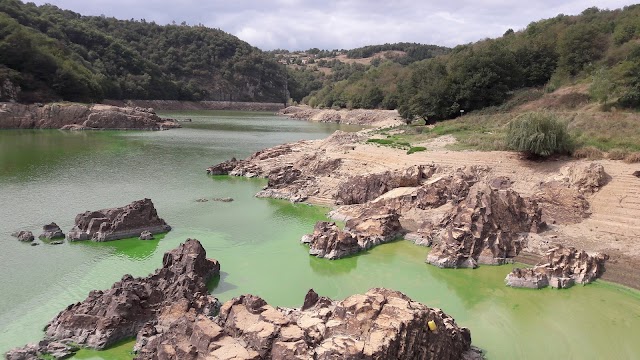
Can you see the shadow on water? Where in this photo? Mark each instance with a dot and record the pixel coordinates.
(329, 268)
(219, 285)
(131, 248)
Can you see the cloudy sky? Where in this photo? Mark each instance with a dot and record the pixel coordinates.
(334, 24)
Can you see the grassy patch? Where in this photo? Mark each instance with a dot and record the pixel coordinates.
(416, 149)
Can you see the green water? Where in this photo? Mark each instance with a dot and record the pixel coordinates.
(52, 175)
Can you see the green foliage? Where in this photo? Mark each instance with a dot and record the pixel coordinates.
(601, 87)
(61, 54)
(413, 51)
(415, 149)
(381, 141)
(538, 134)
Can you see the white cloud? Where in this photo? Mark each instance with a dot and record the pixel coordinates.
(335, 24)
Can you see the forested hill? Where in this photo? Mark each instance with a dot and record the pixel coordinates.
(58, 54)
(599, 49)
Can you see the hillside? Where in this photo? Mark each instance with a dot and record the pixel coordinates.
(599, 48)
(54, 54)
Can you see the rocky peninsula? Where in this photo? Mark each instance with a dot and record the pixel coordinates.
(366, 117)
(73, 116)
(172, 316)
(471, 207)
(118, 223)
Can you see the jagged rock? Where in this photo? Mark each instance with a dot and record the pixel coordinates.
(118, 223)
(106, 317)
(487, 228)
(561, 203)
(362, 188)
(146, 235)
(563, 267)
(586, 178)
(330, 242)
(381, 324)
(51, 231)
(223, 168)
(78, 116)
(44, 349)
(23, 235)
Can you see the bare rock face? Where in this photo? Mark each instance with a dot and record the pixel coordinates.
(487, 228)
(223, 168)
(23, 235)
(329, 241)
(561, 203)
(381, 324)
(118, 223)
(106, 317)
(80, 117)
(563, 268)
(51, 231)
(586, 178)
(362, 188)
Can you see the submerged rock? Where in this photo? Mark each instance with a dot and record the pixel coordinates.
(23, 235)
(118, 223)
(381, 324)
(329, 241)
(224, 199)
(563, 268)
(106, 317)
(51, 231)
(146, 235)
(488, 227)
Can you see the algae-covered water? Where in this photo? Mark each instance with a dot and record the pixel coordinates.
(53, 175)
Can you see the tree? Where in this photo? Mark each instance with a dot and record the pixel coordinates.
(601, 86)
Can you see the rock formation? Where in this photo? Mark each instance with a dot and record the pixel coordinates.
(118, 223)
(362, 188)
(563, 268)
(359, 234)
(51, 231)
(146, 235)
(70, 116)
(23, 235)
(381, 324)
(487, 227)
(106, 317)
(224, 168)
(355, 116)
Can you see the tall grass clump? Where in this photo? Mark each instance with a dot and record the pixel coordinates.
(538, 135)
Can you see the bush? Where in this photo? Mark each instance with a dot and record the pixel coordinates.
(538, 134)
(632, 158)
(617, 154)
(416, 149)
(588, 152)
(380, 141)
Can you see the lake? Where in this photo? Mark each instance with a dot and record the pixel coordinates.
(51, 175)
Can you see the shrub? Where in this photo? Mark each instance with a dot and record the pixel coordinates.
(416, 149)
(632, 158)
(588, 152)
(617, 154)
(538, 134)
(380, 141)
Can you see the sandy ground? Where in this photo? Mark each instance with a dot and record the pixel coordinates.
(612, 228)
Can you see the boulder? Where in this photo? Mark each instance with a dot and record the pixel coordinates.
(106, 317)
(224, 168)
(51, 231)
(488, 227)
(585, 178)
(44, 349)
(562, 268)
(118, 223)
(380, 324)
(362, 188)
(360, 234)
(146, 235)
(23, 235)
(224, 199)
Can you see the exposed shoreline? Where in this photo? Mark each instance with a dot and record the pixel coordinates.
(166, 105)
(322, 167)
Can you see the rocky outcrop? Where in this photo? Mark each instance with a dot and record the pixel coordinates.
(51, 231)
(488, 227)
(70, 116)
(23, 235)
(586, 178)
(362, 188)
(106, 317)
(563, 267)
(360, 234)
(118, 223)
(381, 324)
(43, 350)
(355, 116)
(146, 235)
(199, 105)
(224, 168)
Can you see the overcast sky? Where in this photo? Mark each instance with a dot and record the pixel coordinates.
(333, 24)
